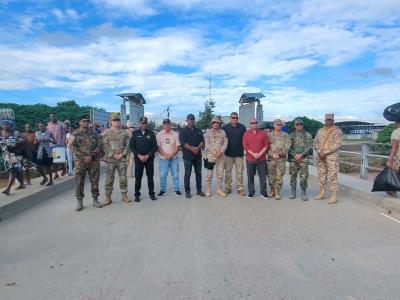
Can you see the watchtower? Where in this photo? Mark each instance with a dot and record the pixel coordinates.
(136, 103)
(250, 107)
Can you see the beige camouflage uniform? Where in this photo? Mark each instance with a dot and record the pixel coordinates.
(279, 143)
(215, 140)
(115, 142)
(328, 141)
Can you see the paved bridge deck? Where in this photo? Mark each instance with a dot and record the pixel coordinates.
(200, 248)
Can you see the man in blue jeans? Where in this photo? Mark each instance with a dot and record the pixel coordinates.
(191, 139)
(168, 146)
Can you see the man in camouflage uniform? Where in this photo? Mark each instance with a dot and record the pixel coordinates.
(116, 150)
(299, 157)
(215, 144)
(279, 146)
(86, 146)
(327, 144)
(131, 158)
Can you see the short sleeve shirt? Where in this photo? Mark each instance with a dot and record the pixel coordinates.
(167, 142)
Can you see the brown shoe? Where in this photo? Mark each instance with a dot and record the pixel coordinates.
(108, 200)
(242, 193)
(125, 198)
(228, 191)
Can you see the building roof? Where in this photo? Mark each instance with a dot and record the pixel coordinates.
(133, 97)
(250, 97)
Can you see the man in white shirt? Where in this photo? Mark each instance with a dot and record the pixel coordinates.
(168, 147)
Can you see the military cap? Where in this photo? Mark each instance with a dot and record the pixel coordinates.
(278, 121)
(329, 116)
(215, 119)
(143, 119)
(166, 121)
(298, 120)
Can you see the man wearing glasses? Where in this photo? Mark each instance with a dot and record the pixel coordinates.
(192, 140)
(234, 154)
(116, 150)
(144, 145)
(327, 144)
(255, 142)
(299, 158)
(279, 146)
(86, 145)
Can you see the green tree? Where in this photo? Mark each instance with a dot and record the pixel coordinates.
(152, 125)
(206, 115)
(385, 134)
(310, 125)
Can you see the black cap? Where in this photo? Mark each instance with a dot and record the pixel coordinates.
(143, 119)
(190, 116)
(166, 121)
(84, 117)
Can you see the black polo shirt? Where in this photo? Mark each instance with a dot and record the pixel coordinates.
(192, 137)
(143, 143)
(235, 137)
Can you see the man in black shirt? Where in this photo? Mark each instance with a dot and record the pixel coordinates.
(191, 139)
(143, 144)
(234, 154)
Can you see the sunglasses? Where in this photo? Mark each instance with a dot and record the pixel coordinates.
(235, 118)
(191, 119)
(143, 123)
(278, 125)
(253, 122)
(116, 120)
(299, 124)
(85, 121)
(328, 119)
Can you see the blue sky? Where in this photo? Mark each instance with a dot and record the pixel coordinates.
(307, 57)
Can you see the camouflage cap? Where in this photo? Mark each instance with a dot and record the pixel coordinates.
(215, 119)
(329, 116)
(278, 121)
(298, 120)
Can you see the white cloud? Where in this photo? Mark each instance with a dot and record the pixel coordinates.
(68, 14)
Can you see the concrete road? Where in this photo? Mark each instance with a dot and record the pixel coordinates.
(202, 248)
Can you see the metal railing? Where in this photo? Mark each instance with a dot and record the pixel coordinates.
(364, 156)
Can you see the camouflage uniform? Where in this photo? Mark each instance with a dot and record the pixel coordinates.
(301, 144)
(130, 157)
(279, 143)
(115, 142)
(86, 143)
(328, 141)
(215, 140)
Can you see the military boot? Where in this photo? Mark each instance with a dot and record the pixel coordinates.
(228, 191)
(321, 195)
(208, 189)
(108, 200)
(304, 195)
(125, 198)
(220, 192)
(271, 194)
(96, 203)
(292, 194)
(277, 194)
(79, 205)
(332, 199)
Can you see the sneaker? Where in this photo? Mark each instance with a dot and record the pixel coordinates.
(250, 195)
(178, 193)
(137, 198)
(161, 193)
(188, 195)
(153, 197)
(264, 195)
(201, 194)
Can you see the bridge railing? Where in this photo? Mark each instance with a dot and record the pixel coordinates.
(363, 156)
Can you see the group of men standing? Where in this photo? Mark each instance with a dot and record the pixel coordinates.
(264, 153)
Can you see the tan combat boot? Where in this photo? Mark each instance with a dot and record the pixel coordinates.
(220, 192)
(321, 195)
(125, 198)
(332, 199)
(277, 194)
(271, 194)
(208, 190)
(228, 191)
(108, 200)
(241, 193)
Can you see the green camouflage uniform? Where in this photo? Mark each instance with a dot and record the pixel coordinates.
(279, 143)
(215, 140)
(86, 143)
(115, 142)
(301, 144)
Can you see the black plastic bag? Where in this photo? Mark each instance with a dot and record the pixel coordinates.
(208, 164)
(386, 181)
(392, 112)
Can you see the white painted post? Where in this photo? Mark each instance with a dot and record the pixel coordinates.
(364, 161)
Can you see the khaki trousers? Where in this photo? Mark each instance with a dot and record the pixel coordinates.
(239, 167)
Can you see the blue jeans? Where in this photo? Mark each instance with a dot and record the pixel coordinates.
(189, 164)
(164, 167)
